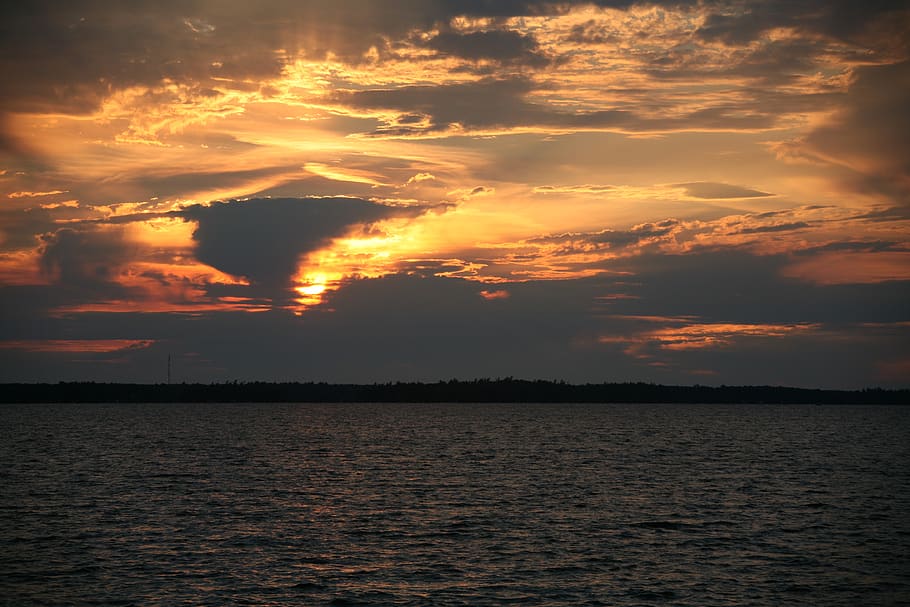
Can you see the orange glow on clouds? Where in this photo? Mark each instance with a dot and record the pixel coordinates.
(34, 194)
(341, 174)
(682, 334)
(311, 286)
(852, 268)
(498, 294)
(346, 258)
(715, 335)
(77, 346)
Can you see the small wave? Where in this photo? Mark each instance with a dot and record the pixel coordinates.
(307, 586)
(352, 602)
(652, 595)
(666, 525)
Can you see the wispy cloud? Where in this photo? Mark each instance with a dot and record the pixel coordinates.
(34, 194)
(70, 346)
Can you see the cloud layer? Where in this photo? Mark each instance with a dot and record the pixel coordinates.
(352, 191)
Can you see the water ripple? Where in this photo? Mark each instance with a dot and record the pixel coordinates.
(426, 505)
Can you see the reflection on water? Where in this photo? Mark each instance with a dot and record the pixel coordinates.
(454, 505)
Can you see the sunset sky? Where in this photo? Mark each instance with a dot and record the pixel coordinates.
(713, 192)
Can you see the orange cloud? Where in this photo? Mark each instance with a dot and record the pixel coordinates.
(338, 173)
(697, 336)
(66, 204)
(35, 194)
(836, 268)
(77, 346)
(499, 294)
(20, 268)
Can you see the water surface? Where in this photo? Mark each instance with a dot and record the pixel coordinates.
(428, 504)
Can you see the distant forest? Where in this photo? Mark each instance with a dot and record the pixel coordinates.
(506, 390)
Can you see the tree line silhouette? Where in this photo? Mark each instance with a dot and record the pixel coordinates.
(506, 390)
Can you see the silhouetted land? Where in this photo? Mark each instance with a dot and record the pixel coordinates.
(477, 391)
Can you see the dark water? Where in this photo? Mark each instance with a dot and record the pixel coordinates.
(454, 505)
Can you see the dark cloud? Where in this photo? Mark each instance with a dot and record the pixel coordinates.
(81, 257)
(781, 227)
(502, 103)
(429, 328)
(83, 266)
(710, 191)
(869, 134)
(736, 286)
(779, 62)
(839, 19)
(20, 228)
(173, 185)
(851, 33)
(503, 46)
(888, 214)
(259, 239)
(592, 32)
(69, 56)
(263, 239)
(876, 246)
(488, 102)
(570, 244)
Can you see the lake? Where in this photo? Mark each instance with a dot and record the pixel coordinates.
(459, 504)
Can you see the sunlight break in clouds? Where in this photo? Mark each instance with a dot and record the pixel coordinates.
(559, 161)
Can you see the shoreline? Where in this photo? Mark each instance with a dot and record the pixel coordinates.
(454, 391)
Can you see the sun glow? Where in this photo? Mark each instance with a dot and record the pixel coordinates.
(312, 286)
(355, 257)
(317, 287)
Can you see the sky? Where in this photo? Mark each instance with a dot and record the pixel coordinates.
(691, 192)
